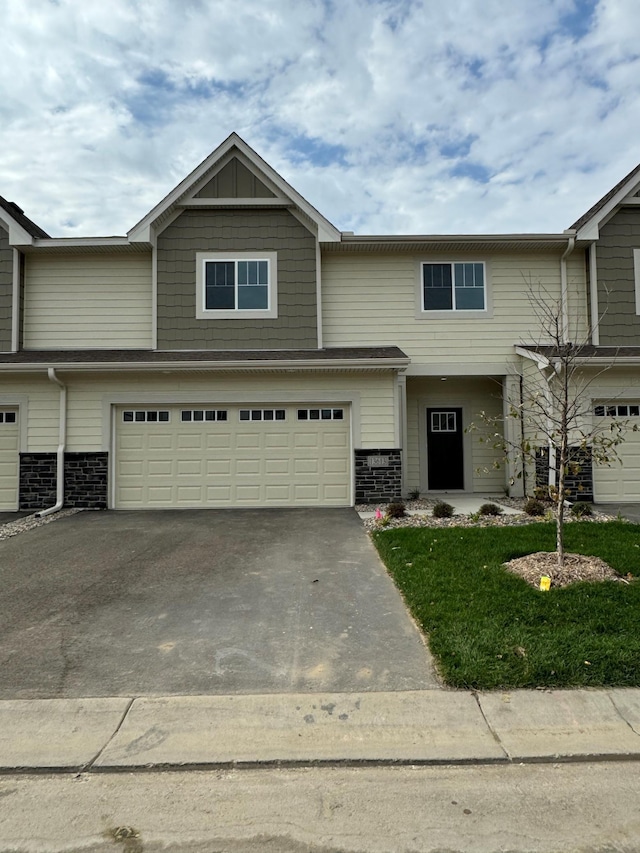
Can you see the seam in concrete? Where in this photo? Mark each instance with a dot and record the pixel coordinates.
(494, 734)
(92, 761)
(329, 763)
(620, 714)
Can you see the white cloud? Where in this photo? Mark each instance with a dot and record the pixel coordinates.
(389, 115)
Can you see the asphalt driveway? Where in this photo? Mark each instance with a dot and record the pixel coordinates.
(629, 511)
(202, 602)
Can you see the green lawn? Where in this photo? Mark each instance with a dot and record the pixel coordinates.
(489, 629)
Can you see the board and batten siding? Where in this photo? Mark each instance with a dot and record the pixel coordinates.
(6, 291)
(473, 395)
(376, 393)
(371, 299)
(88, 301)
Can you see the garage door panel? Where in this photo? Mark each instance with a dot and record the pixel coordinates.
(277, 494)
(218, 441)
(335, 439)
(620, 481)
(277, 466)
(306, 493)
(306, 439)
(188, 495)
(132, 442)
(248, 440)
(218, 467)
(190, 468)
(190, 441)
(335, 466)
(232, 462)
(159, 441)
(248, 466)
(305, 466)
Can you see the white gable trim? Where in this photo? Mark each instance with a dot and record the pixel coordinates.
(17, 234)
(142, 231)
(626, 194)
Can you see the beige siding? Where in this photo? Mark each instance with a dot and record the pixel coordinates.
(474, 395)
(93, 301)
(43, 409)
(375, 393)
(372, 299)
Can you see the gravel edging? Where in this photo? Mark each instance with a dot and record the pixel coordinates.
(29, 522)
(426, 519)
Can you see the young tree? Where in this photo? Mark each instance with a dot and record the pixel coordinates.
(554, 410)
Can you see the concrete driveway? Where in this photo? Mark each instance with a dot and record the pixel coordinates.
(202, 602)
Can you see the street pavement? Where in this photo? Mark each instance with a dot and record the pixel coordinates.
(429, 727)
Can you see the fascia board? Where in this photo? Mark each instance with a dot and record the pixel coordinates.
(559, 239)
(73, 242)
(127, 366)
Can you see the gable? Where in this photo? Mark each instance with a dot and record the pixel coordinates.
(235, 180)
(625, 191)
(218, 180)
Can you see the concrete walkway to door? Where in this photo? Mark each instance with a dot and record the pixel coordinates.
(202, 602)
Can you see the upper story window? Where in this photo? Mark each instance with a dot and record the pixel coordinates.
(238, 284)
(454, 286)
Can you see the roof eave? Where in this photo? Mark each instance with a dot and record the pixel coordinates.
(231, 365)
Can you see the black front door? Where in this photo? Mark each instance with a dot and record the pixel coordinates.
(444, 449)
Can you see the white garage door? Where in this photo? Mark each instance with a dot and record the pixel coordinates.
(619, 482)
(206, 456)
(9, 446)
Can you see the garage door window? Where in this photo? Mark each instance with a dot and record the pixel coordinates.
(262, 414)
(320, 414)
(142, 416)
(7, 417)
(619, 410)
(199, 415)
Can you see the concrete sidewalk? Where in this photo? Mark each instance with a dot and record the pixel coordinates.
(417, 727)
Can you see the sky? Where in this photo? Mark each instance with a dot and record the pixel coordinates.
(389, 116)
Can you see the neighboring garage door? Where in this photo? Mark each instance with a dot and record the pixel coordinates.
(9, 446)
(216, 456)
(619, 482)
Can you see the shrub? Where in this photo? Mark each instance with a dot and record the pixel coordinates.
(580, 509)
(490, 509)
(441, 509)
(396, 509)
(414, 495)
(534, 507)
(542, 494)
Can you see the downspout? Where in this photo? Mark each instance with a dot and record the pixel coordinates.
(564, 290)
(62, 441)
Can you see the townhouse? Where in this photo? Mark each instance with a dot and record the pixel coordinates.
(235, 349)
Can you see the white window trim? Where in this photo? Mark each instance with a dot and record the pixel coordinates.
(458, 313)
(203, 313)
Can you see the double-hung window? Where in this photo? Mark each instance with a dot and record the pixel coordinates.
(239, 284)
(454, 286)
